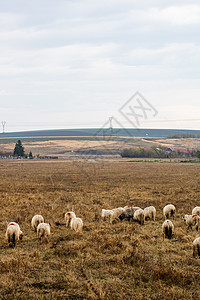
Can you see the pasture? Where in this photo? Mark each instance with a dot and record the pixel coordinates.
(119, 261)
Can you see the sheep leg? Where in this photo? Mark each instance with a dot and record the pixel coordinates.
(193, 251)
(198, 250)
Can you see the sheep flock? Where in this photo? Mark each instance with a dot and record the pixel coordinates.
(119, 214)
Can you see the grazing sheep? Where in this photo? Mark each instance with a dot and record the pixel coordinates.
(196, 211)
(167, 229)
(116, 212)
(196, 247)
(106, 213)
(43, 230)
(139, 216)
(192, 220)
(76, 224)
(68, 217)
(128, 213)
(150, 213)
(169, 211)
(36, 220)
(13, 233)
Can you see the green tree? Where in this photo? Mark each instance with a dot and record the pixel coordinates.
(19, 149)
(198, 154)
(30, 155)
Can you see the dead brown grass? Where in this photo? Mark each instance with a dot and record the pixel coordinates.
(119, 261)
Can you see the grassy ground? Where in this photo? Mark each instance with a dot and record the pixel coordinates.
(118, 261)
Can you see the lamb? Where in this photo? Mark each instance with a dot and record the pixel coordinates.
(128, 213)
(196, 247)
(68, 217)
(139, 216)
(36, 220)
(167, 229)
(169, 211)
(150, 213)
(43, 230)
(196, 211)
(76, 224)
(192, 220)
(13, 233)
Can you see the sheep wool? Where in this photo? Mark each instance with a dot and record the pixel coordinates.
(167, 229)
(169, 211)
(43, 230)
(13, 233)
(139, 216)
(150, 213)
(68, 217)
(196, 247)
(196, 211)
(36, 220)
(76, 224)
(192, 220)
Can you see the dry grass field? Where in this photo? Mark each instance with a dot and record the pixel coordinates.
(119, 261)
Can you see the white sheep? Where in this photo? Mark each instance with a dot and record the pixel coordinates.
(43, 230)
(36, 220)
(13, 233)
(76, 224)
(68, 216)
(196, 247)
(169, 211)
(167, 229)
(139, 216)
(150, 213)
(192, 220)
(116, 212)
(196, 211)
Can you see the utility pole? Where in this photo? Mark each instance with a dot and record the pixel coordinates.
(110, 121)
(3, 124)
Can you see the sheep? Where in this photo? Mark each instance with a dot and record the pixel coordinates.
(106, 213)
(196, 247)
(128, 213)
(68, 217)
(169, 211)
(43, 230)
(13, 233)
(36, 220)
(196, 211)
(192, 220)
(116, 212)
(76, 224)
(139, 216)
(150, 212)
(167, 229)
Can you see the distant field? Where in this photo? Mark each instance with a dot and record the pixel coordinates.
(119, 261)
(63, 147)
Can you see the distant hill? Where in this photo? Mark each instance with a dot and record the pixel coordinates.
(90, 132)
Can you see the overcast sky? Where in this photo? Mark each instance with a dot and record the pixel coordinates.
(75, 63)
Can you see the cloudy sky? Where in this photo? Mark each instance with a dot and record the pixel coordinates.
(75, 63)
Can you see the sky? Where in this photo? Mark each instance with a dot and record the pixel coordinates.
(75, 64)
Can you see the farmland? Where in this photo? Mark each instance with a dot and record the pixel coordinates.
(119, 261)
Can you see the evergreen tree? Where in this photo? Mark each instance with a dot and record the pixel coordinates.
(19, 149)
(30, 155)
